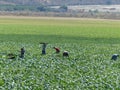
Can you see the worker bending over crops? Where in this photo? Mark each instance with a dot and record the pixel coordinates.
(114, 57)
(11, 56)
(57, 49)
(65, 54)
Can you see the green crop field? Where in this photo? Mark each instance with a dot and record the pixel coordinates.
(90, 43)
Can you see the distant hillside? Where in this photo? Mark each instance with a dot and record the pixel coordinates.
(60, 2)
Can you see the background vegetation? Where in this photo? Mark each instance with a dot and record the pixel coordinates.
(60, 2)
(61, 8)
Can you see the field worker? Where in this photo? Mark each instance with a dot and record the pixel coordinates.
(57, 49)
(65, 54)
(114, 57)
(22, 52)
(11, 56)
(44, 45)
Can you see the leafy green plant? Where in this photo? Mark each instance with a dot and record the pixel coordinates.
(89, 65)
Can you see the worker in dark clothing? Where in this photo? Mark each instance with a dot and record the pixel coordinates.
(11, 56)
(44, 45)
(22, 52)
(114, 57)
(65, 54)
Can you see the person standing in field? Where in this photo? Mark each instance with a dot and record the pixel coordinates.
(57, 49)
(44, 45)
(22, 52)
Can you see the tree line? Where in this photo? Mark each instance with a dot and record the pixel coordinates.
(37, 8)
(60, 2)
